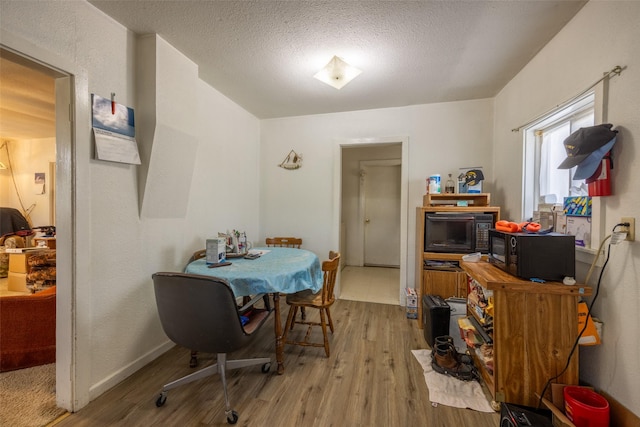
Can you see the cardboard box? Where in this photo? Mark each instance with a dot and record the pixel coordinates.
(18, 262)
(412, 297)
(17, 282)
(580, 226)
(412, 303)
(216, 250)
(559, 222)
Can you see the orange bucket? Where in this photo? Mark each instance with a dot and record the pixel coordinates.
(585, 408)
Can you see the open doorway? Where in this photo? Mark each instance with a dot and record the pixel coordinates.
(37, 123)
(373, 220)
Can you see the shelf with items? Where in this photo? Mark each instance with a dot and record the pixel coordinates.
(472, 200)
(534, 328)
(442, 282)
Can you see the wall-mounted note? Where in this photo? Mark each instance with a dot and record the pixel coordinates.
(114, 131)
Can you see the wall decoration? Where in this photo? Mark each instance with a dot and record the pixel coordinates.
(39, 183)
(292, 161)
(470, 180)
(114, 131)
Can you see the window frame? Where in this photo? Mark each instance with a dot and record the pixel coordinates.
(599, 91)
(532, 142)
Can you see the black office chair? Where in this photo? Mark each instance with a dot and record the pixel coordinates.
(200, 313)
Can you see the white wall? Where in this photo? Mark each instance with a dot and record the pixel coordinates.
(27, 158)
(116, 250)
(601, 36)
(442, 138)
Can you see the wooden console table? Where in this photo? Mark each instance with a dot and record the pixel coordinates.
(535, 326)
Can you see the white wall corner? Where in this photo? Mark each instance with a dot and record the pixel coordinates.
(167, 100)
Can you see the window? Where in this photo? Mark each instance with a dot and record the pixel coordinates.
(544, 151)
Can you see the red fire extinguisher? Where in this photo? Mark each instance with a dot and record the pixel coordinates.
(599, 184)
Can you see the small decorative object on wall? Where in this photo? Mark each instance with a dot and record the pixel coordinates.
(39, 183)
(292, 161)
(114, 130)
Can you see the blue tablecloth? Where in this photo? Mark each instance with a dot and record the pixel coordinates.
(284, 270)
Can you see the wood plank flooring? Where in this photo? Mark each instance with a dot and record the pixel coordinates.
(371, 379)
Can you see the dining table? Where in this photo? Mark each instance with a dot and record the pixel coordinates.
(275, 271)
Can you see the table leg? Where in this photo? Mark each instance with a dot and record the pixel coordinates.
(278, 329)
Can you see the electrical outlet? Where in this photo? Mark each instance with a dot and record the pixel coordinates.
(631, 229)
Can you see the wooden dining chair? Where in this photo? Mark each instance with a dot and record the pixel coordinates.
(321, 300)
(196, 255)
(284, 242)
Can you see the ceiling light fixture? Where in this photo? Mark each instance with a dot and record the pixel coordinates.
(337, 73)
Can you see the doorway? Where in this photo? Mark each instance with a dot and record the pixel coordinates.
(372, 185)
(60, 118)
(380, 212)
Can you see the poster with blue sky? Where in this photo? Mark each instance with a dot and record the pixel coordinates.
(114, 131)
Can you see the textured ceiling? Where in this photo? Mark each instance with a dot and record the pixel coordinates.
(27, 100)
(263, 54)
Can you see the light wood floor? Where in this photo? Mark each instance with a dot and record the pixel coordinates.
(370, 284)
(371, 379)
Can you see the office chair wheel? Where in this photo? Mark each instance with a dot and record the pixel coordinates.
(232, 418)
(193, 362)
(161, 399)
(266, 367)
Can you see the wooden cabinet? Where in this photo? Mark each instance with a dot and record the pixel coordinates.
(535, 326)
(446, 282)
(444, 277)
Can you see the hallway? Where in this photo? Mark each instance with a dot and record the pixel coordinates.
(370, 284)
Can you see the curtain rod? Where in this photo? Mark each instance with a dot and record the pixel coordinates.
(616, 70)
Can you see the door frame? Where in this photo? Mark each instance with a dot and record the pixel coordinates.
(362, 199)
(336, 232)
(73, 319)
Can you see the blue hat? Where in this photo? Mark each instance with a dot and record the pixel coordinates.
(590, 164)
(584, 142)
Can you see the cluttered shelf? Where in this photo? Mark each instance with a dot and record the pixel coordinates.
(519, 329)
(494, 278)
(457, 199)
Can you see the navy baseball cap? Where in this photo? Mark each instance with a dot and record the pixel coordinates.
(586, 147)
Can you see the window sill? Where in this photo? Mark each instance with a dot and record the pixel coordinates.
(587, 255)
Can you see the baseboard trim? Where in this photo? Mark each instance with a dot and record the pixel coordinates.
(122, 374)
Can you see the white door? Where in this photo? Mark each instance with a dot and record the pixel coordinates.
(381, 182)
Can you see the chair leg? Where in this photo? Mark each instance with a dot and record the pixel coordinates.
(222, 363)
(289, 323)
(295, 312)
(329, 317)
(202, 373)
(193, 362)
(323, 323)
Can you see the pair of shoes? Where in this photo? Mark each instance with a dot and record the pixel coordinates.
(460, 357)
(446, 360)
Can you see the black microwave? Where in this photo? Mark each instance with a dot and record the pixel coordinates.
(550, 256)
(457, 232)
